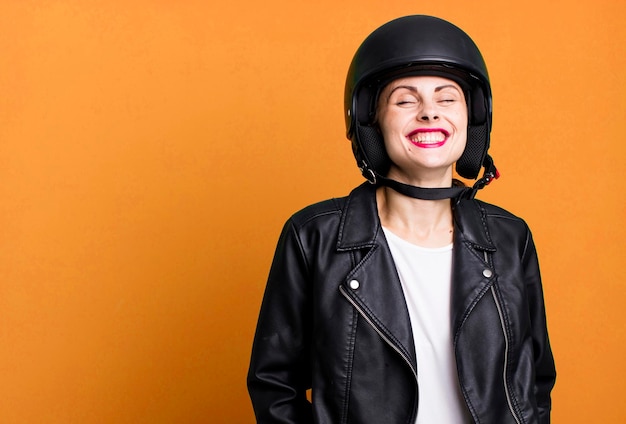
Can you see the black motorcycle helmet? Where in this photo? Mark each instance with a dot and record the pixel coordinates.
(410, 46)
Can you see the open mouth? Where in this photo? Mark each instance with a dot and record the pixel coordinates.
(428, 137)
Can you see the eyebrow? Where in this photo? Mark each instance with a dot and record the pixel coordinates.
(414, 89)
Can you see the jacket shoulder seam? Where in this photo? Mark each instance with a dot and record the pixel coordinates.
(316, 211)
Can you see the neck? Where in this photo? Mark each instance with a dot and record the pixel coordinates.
(427, 223)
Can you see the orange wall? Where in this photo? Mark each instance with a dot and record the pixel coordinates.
(151, 150)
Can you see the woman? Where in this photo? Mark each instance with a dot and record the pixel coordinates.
(408, 301)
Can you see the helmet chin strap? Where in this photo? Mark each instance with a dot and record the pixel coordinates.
(422, 192)
(439, 193)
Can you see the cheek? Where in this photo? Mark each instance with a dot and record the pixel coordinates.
(461, 119)
(389, 126)
(460, 144)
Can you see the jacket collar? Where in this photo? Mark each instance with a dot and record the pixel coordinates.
(360, 224)
(471, 225)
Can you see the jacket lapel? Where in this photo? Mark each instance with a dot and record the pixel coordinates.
(472, 274)
(373, 285)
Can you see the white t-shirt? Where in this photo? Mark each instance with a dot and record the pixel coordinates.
(425, 274)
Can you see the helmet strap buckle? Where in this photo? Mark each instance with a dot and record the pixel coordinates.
(368, 173)
(490, 174)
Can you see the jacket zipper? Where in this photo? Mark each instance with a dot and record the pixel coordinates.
(386, 339)
(506, 351)
(380, 333)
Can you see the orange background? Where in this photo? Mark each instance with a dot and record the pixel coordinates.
(150, 152)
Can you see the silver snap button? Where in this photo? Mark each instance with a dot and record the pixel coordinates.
(487, 273)
(354, 284)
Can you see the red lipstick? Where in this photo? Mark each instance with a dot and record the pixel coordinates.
(428, 138)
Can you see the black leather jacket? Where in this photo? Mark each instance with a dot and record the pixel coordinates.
(334, 318)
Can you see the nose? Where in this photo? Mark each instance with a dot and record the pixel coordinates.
(428, 112)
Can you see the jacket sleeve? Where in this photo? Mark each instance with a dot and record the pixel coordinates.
(279, 373)
(545, 372)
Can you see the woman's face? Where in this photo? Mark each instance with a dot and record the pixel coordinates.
(423, 120)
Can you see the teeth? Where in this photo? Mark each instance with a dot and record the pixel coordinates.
(428, 137)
